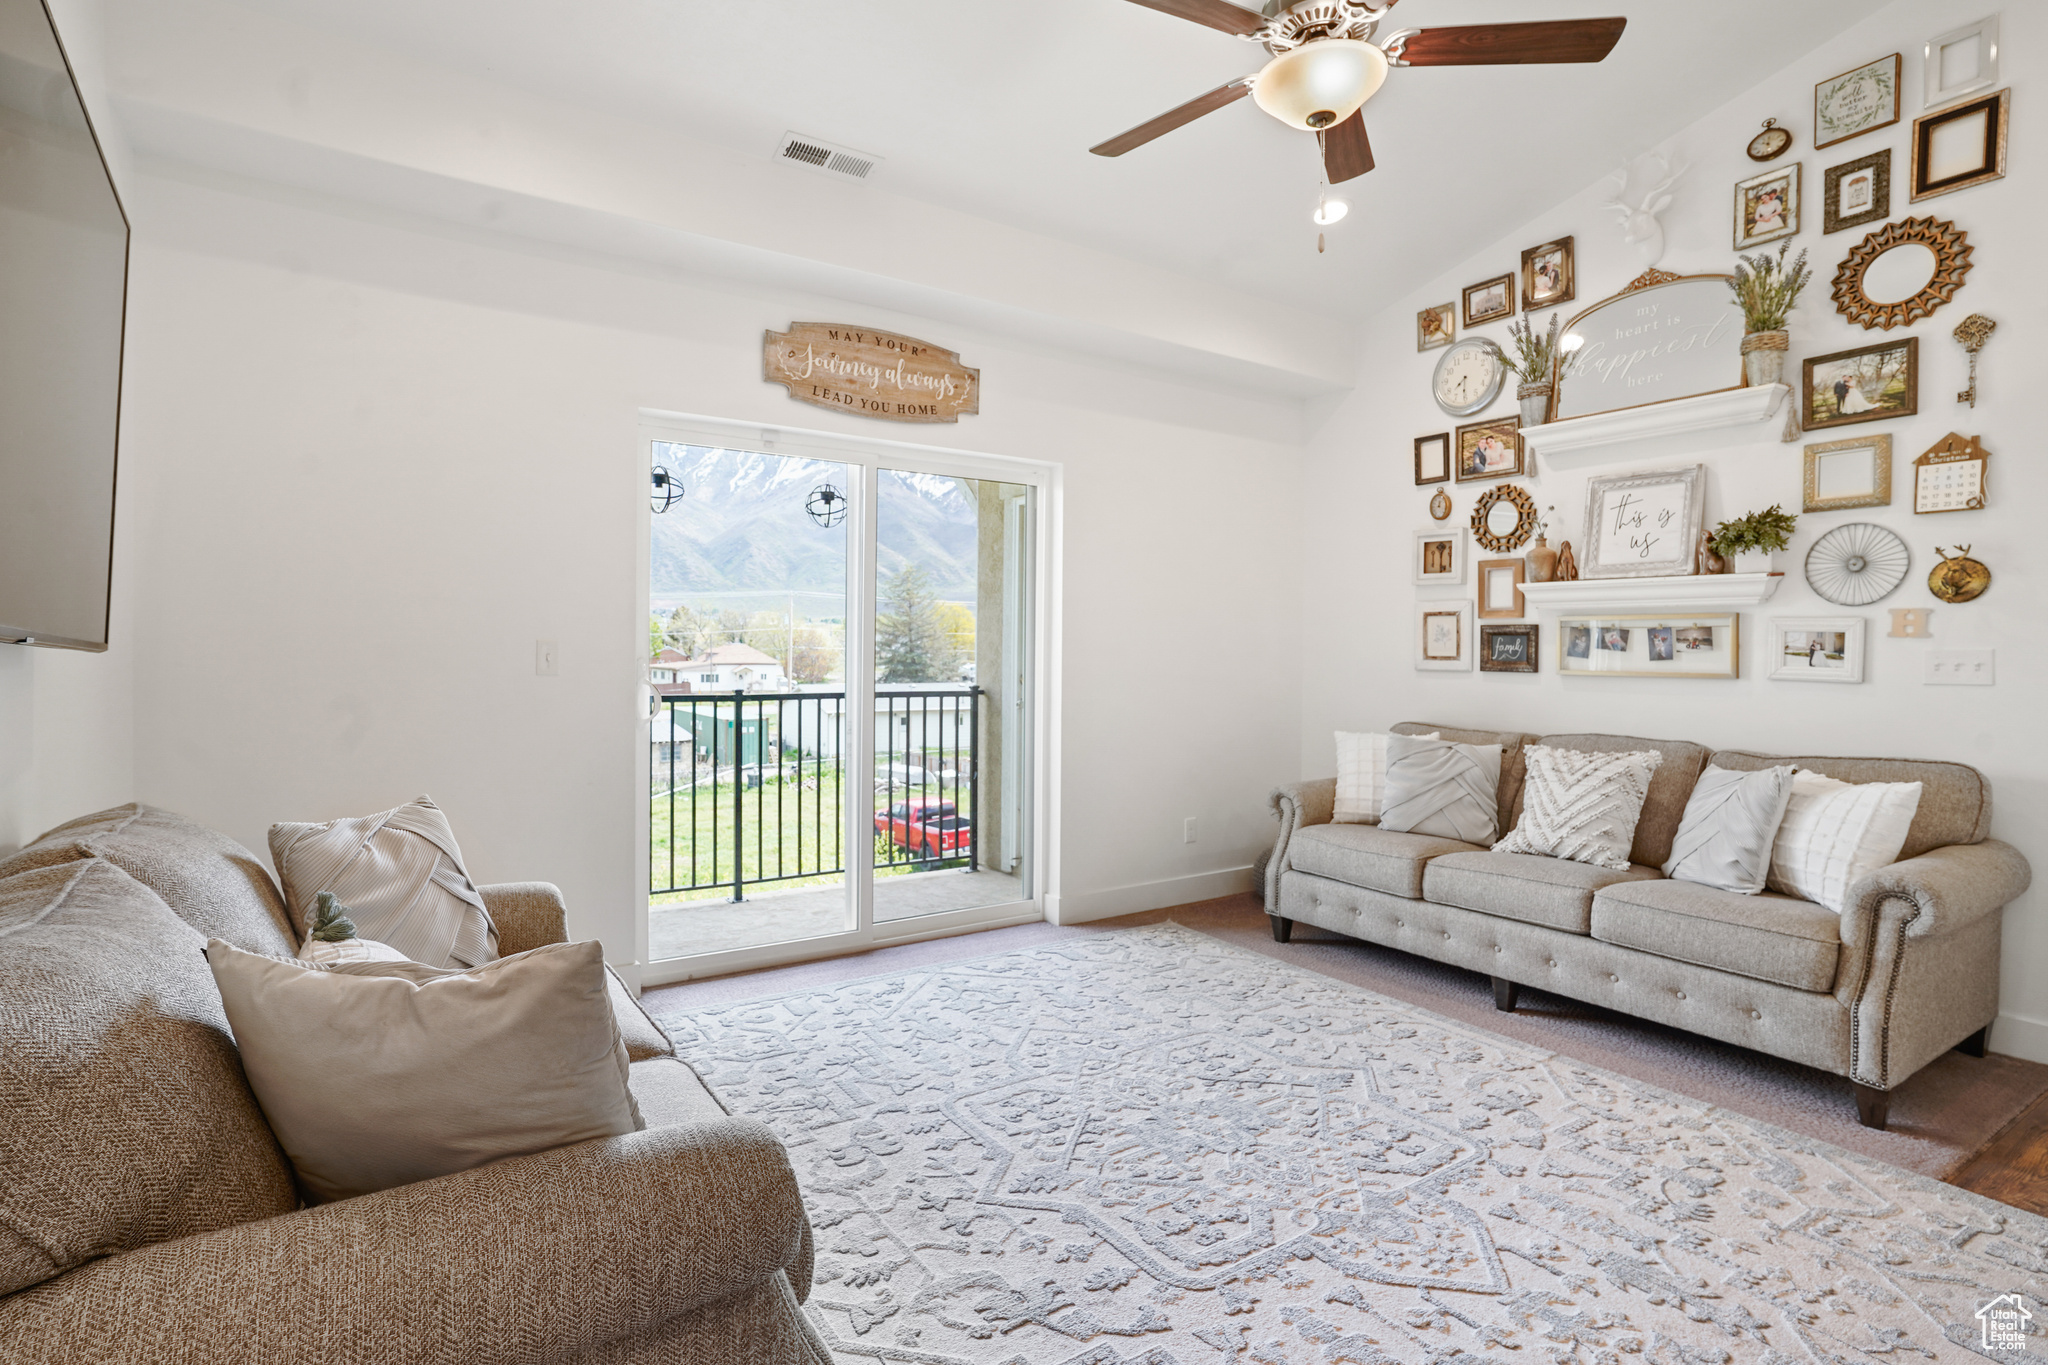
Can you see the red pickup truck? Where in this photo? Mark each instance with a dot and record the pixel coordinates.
(928, 828)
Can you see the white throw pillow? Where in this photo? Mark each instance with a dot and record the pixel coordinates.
(1837, 833)
(1730, 826)
(376, 1074)
(400, 874)
(319, 952)
(1437, 787)
(1361, 777)
(1581, 806)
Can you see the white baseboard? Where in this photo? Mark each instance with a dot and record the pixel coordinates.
(1140, 896)
(2018, 1036)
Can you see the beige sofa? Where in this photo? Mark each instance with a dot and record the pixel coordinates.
(147, 1215)
(1908, 972)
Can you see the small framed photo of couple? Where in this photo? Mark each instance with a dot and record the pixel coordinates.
(1817, 648)
(1489, 450)
(1869, 384)
(1547, 274)
(1767, 207)
(1650, 646)
(1490, 300)
(1507, 649)
(1436, 326)
(1443, 636)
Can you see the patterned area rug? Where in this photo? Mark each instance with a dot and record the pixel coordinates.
(1151, 1148)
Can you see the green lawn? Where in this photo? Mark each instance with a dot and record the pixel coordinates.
(790, 828)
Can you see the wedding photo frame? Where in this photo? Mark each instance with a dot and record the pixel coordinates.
(1444, 640)
(1767, 207)
(1673, 646)
(1547, 272)
(1440, 557)
(1961, 146)
(1507, 649)
(1489, 450)
(1643, 525)
(1842, 475)
(1868, 384)
(1490, 300)
(1817, 648)
(1856, 102)
(1857, 192)
(1433, 458)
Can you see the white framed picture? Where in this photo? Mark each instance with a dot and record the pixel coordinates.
(1961, 62)
(1817, 648)
(1643, 525)
(1440, 556)
(1443, 636)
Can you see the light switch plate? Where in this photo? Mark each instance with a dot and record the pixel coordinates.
(547, 658)
(1961, 667)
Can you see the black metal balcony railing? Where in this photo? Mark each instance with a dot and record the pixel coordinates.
(751, 788)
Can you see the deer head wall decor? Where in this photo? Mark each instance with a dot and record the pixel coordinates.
(1637, 193)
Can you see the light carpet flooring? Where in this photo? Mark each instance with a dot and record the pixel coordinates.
(1155, 1146)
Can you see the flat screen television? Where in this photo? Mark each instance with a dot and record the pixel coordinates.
(63, 298)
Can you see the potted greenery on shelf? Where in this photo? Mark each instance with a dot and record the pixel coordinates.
(1767, 289)
(1533, 361)
(1749, 543)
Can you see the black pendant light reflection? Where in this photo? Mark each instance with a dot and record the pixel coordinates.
(826, 505)
(668, 490)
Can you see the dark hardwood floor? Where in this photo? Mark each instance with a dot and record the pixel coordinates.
(2013, 1167)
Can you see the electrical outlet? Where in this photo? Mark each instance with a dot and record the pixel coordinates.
(547, 658)
(1188, 832)
(1961, 667)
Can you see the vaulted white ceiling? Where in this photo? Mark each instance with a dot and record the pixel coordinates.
(983, 111)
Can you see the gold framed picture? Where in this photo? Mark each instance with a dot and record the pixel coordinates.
(1490, 300)
(1841, 475)
(1857, 192)
(1436, 326)
(1500, 589)
(1767, 207)
(1443, 636)
(1547, 274)
(1868, 384)
(1673, 646)
(1960, 146)
(1489, 450)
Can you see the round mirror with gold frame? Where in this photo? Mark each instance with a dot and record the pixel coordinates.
(1504, 518)
(1902, 272)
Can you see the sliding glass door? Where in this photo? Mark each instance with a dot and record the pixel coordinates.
(842, 681)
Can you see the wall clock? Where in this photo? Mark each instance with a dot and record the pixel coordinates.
(1468, 376)
(1855, 565)
(1770, 143)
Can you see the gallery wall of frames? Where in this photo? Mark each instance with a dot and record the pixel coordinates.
(1568, 496)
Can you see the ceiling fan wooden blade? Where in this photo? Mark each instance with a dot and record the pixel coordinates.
(1346, 153)
(1552, 40)
(1174, 118)
(1215, 13)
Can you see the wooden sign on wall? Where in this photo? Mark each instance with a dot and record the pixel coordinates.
(874, 374)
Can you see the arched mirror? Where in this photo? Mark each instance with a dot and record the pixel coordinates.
(1902, 271)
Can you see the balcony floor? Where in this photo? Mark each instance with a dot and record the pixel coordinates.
(712, 926)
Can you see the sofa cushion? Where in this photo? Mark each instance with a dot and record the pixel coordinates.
(1366, 855)
(1955, 799)
(210, 881)
(669, 1091)
(1670, 787)
(124, 1117)
(1510, 741)
(1766, 937)
(1554, 892)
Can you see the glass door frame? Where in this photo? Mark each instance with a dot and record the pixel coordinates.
(863, 458)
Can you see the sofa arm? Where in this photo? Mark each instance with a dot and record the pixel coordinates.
(1295, 805)
(1948, 889)
(536, 1258)
(528, 915)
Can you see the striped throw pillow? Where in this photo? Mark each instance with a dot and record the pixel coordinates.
(1836, 833)
(1361, 777)
(400, 874)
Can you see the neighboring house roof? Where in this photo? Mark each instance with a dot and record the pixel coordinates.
(729, 655)
(668, 658)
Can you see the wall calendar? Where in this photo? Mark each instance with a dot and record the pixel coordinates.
(1950, 476)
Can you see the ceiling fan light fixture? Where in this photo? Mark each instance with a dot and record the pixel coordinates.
(1330, 211)
(1320, 84)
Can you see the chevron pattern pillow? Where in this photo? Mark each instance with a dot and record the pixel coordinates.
(1581, 806)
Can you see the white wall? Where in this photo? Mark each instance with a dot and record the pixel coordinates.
(66, 718)
(374, 462)
(1360, 505)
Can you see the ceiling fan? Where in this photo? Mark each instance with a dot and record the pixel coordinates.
(1328, 61)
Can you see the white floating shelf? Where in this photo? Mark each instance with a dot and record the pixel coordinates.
(1681, 426)
(1691, 590)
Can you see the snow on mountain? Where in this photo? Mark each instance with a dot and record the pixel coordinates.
(741, 526)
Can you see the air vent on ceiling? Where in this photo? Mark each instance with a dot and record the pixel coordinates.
(825, 156)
